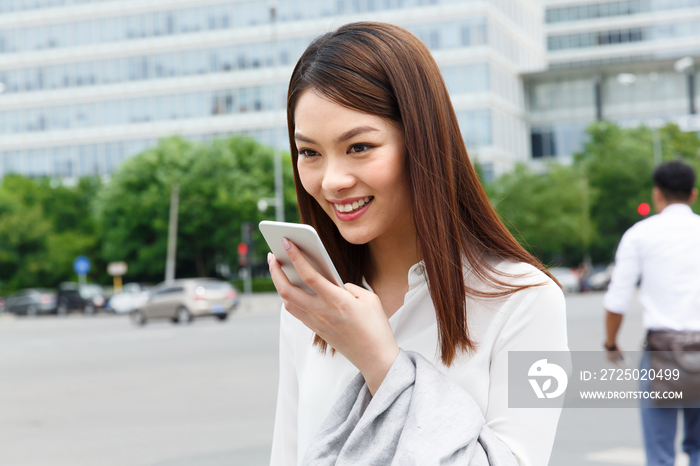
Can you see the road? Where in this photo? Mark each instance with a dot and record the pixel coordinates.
(99, 391)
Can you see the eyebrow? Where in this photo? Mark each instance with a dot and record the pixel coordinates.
(343, 137)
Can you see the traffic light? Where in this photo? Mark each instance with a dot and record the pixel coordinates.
(245, 247)
(643, 209)
(242, 254)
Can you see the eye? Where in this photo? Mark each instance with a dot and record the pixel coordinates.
(307, 153)
(363, 148)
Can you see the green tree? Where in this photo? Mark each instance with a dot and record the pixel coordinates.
(679, 144)
(548, 213)
(23, 233)
(69, 208)
(44, 225)
(568, 212)
(618, 164)
(220, 184)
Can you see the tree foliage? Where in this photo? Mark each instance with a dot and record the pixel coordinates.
(43, 227)
(580, 211)
(548, 213)
(219, 184)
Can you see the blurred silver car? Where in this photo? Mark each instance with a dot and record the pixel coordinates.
(600, 277)
(132, 296)
(183, 300)
(568, 279)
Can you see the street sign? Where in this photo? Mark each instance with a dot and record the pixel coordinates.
(81, 265)
(117, 269)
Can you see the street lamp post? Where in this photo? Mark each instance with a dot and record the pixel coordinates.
(279, 189)
(657, 145)
(172, 234)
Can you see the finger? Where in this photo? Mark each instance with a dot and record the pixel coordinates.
(355, 290)
(297, 302)
(317, 282)
(296, 311)
(306, 318)
(285, 288)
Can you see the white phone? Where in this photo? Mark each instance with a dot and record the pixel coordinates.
(309, 243)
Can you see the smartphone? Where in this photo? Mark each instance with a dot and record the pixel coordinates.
(309, 243)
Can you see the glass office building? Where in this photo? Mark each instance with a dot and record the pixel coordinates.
(613, 60)
(87, 84)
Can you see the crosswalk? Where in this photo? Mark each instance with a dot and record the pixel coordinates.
(628, 456)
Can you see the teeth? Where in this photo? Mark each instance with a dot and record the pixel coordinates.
(354, 206)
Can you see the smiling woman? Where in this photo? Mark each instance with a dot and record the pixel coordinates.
(382, 173)
(365, 165)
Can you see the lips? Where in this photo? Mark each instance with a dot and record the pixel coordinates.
(356, 208)
(351, 205)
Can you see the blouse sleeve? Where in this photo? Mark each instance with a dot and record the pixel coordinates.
(284, 439)
(538, 323)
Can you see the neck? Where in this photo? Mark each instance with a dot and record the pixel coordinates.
(666, 204)
(391, 258)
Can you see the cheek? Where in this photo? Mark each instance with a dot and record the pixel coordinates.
(310, 180)
(387, 176)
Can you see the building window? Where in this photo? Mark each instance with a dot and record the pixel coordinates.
(543, 144)
(487, 172)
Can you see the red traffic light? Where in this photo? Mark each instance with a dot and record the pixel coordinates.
(242, 249)
(643, 209)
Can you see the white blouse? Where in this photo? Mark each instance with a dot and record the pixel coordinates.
(533, 319)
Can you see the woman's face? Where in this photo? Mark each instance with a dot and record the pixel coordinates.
(352, 163)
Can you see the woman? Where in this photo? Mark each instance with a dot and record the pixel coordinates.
(382, 173)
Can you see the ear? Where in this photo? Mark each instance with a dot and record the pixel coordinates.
(693, 196)
(657, 198)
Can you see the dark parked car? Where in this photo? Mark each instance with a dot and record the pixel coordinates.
(31, 301)
(87, 297)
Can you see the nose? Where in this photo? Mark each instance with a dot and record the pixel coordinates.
(338, 175)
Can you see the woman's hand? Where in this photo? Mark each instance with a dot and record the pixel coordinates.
(353, 321)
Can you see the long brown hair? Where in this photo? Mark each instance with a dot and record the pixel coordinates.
(384, 70)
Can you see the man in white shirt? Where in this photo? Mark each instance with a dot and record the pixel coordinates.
(664, 251)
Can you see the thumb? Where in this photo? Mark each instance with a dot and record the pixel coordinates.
(355, 290)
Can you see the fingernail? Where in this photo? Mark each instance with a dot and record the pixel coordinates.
(269, 257)
(286, 245)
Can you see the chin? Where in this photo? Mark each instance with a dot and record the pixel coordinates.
(354, 237)
(356, 242)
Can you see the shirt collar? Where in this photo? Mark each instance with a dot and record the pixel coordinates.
(416, 277)
(677, 208)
